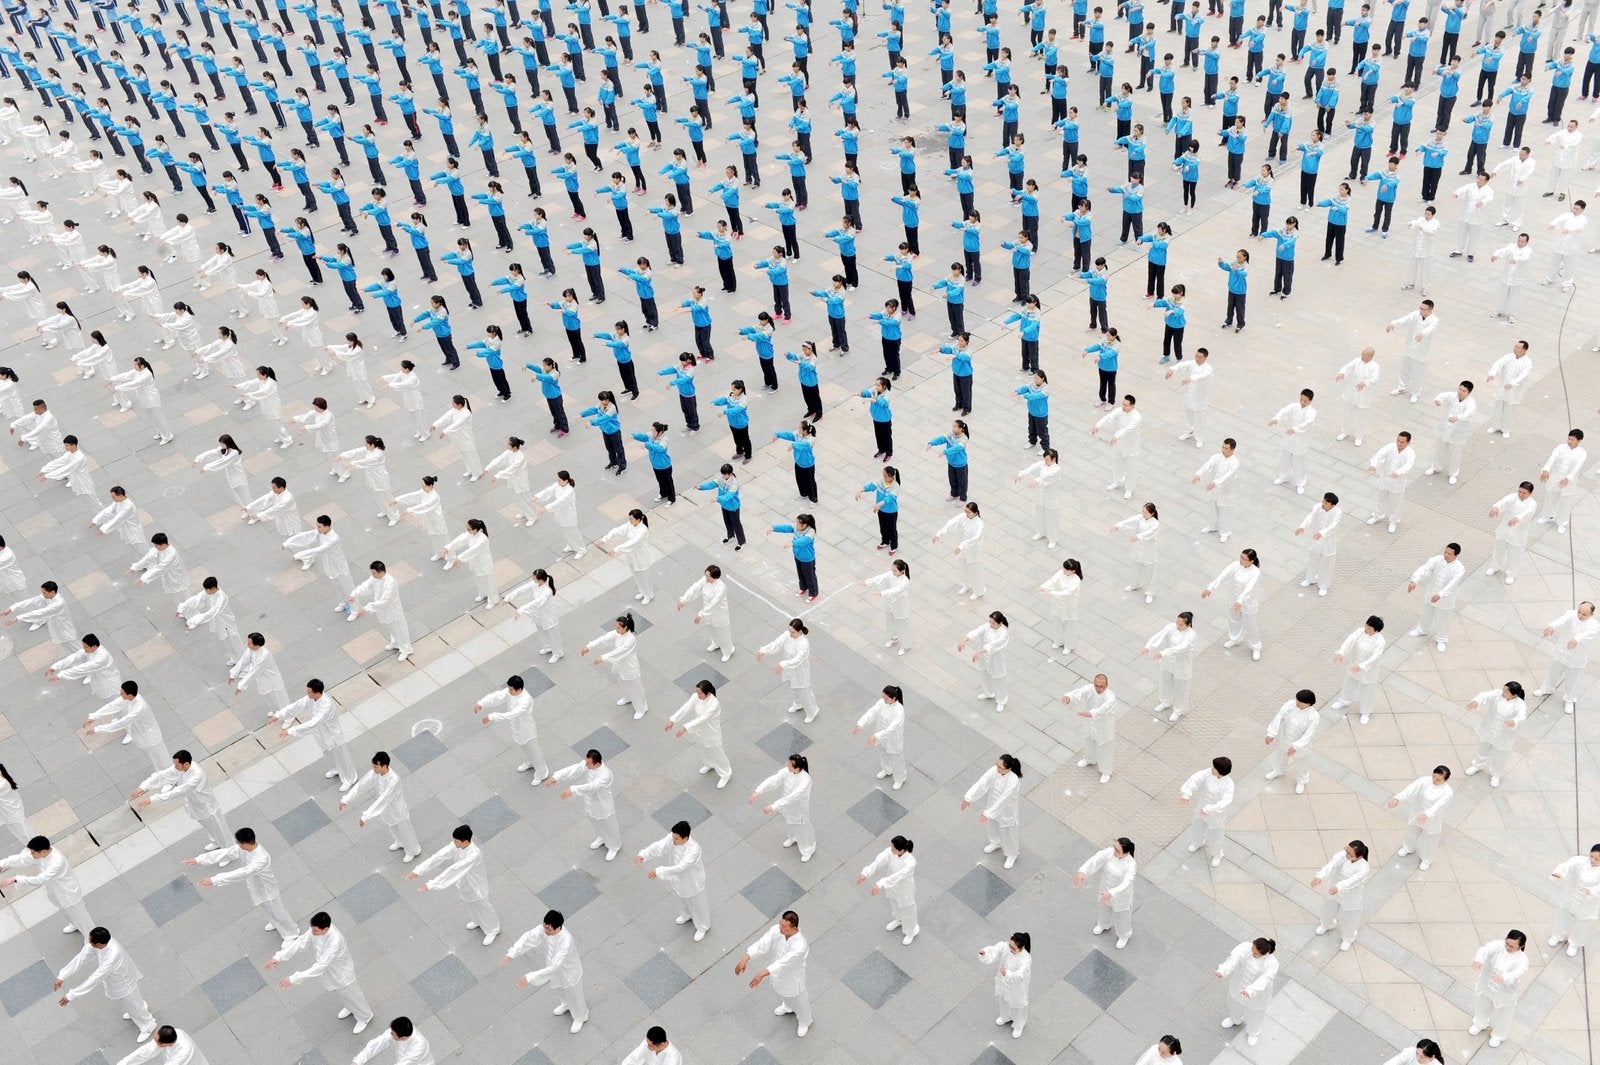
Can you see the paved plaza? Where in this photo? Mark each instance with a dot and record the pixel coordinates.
(1408, 975)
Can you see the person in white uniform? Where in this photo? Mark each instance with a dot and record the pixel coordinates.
(563, 969)
(321, 723)
(699, 720)
(1219, 475)
(1045, 476)
(514, 706)
(1097, 705)
(1501, 965)
(130, 713)
(1209, 792)
(894, 588)
(72, 466)
(998, 794)
(893, 873)
(91, 664)
(1195, 389)
(388, 805)
(511, 468)
(1439, 578)
(885, 720)
(1012, 960)
(1173, 649)
(787, 969)
(1119, 428)
(113, 971)
(55, 875)
(13, 817)
(258, 668)
(1426, 1052)
(1293, 422)
(320, 547)
(1391, 465)
(1360, 379)
(792, 784)
(410, 1046)
(380, 594)
(463, 867)
(331, 963)
(455, 425)
(425, 506)
(591, 780)
(210, 607)
(655, 1050)
(1251, 970)
(683, 869)
(1504, 711)
(1360, 654)
(472, 547)
(1572, 634)
(711, 591)
(632, 540)
(1117, 870)
(1321, 528)
(1516, 256)
(276, 505)
(186, 779)
(1559, 475)
(1425, 800)
(1237, 583)
(409, 386)
(1568, 227)
(1418, 328)
(1507, 383)
(1420, 266)
(1289, 736)
(1166, 1051)
(967, 530)
(793, 651)
(1577, 918)
(1345, 874)
(535, 599)
(619, 649)
(1456, 411)
(162, 564)
(992, 638)
(1515, 511)
(46, 610)
(561, 499)
(257, 875)
(171, 1046)
(1142, 531)
(120, 516)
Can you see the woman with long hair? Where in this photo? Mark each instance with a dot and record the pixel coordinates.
(998, 795)
(472, 547)
(792, 784)
(227, 460)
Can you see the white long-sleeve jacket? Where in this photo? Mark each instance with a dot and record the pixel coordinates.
(1013, 972)
(1455, 415)
(1510, 375)
(183, 1051)
(381, 595)
(1414, 325)
(331, 960)
(1580, 887)
(992, 641)
(887, 721)
(683, 868)
(255, 870)
(1298, 418)
(111, 969)
(562, 966)
(895, 591)
(1248, 974)
(1360, 379)
(1237, 584)
(192, 786)
(560, 500)
(97, 668)
(1392, 465)
(463, 869)
(1360, 649)
(713, 596)
(280, 508)
(322, 723)
(1121, 426)
(211, 609)
(313, 545)
(1325, 522)
(259, 666)
(894, 875)
(1211, 794)
(472, 548)
(701, 720)
(1294, 725)
(413, 1050)
(794, 794)
(165, 567)
(1423, 797)
(1509, 967)
(1000, 796)
(794, 655)
(1349, 877)
(592, 785)
(620, 651)
(787, 969)
(1176, 648)
(1441, 578)
(518, 712)
(123, 519)
(427, 507)
(968, 533)
(1510, 506)
(135, 716)
(1564, 465)
(1501, 719)
(389, 797)
(1221, 470)
(1116, 875)
(1572, 629)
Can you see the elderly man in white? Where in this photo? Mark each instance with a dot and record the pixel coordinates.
(1097, 704)
(322, 724)
(258, 877)
(1360, 379)
(1516, 256)
(1213, 789)
(1439, 578)
(113, 971)
(1392, 464)
(1418, 328)
(92, 664)
(129, 713)
(185, 779)
(1173, 649)
(1194, 390)
(331, 962)
(787, 969)
(562, 967)
(1572, 634)
(1505, 386)
(1515, 511)
(683, 869)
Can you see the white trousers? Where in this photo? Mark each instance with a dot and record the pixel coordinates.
(215, 828)
(1563, 679)
(1121, 920)
(1507, 556)
(1065, 628)
(1124, 467)
(1208, 836)
(697, 908)
(343, 764)
(804, 834)
(992, 685)
(1419, 839)
(1447, 455)
(969, 570)
(722, 638)
(354, 1001)
(1417, 271)
(1496, 1018)
(1245, 625)
(1280, 761)
(138, 1011)
(549, 639)
(1292, 466)
(19, 831)
(805, 699)
(1559, 504)
(1355, 420)
(1319, 568)
(398, 634)
(1358, 692)
(1347, 921)
(279, 915)
(899, 631)
(406, 836)
(1144, 576)
(1508, 300)
(1101, 753)
(1578, 932)
(1017, 1015)
(1245, 1012)
(1435, 621)
(1392, 503)
(1222, 516)
(906, 915)
(1195, 421)
(1007, 836)
(572, 998)
(799, 1005)
(159, 758)
(1467, 241)
(1047, 521)
(533, 754)
(482, 913)
(716, 757)
(893, 763)
(1504, 413)
(1412, 372)
(609, 830)
(633, 692)
(1174, 691)
(468, 449)
(1495, 758)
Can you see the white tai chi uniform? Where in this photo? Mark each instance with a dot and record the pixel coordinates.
(1116, 879)
(1360, 380)
(1561, 486)
(314, 547)
(1516, 190)
(1494, 1001)
(112, 969)
(701, 721)
(373, 465)
(409, 386)
(1120, 430)
(194, 788)
(562, 500)
(593, 786)
(1511, 535)
(518, 713)
(464, 869)
(455, 425)
(1236, 586)
(643, 1055)
(1065, 591)
(1509, 377)
(1417, 270)
(1100, 733)
(786, 972)
(992, 641)
(413, 1050)
(1293, 726)
(427, 507)
(212, 609)
(968, 533)
(1322, 545)
(620, 651)
(1475, 200)
(1392, 467)
(167, 568)
(388, 806)
(323, 725)
(1344, 909)
(562, 969)
(60, 885)
(324, 436)
(12, 815)
(1251, 981)
(259, 880)
(1013, 973)
(51, 613)
(73, 468)
(230, 464)
(1569, 655)
(1422, 797)
(894, 875)
(886, 721)
(40, 432)
(183, 1051)
(1176, 650)
(1455, 425)
(381, 596)
(794, 655)
(1294, 426)
(794, 803)
(683, 869)
(1141, 553)
(1418, 332)
(999, 795)
(1211, 796)
(512, 468)
(1222, 471)
(1436, 577)
(97, 668)
(1360, 685)
(1568, 240)
(1047, 505)
(332, 963)
(1497, 733)
(473, 548)
(713, 611)
(258, 667)
(123, 518)
(142, 384)
(1516, 259)
(1577, 917)
(136, 718)
(279, 508)
(537, 603)
(895, 591)
(1194, 386)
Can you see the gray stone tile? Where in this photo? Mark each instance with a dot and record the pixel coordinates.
(443, 982)
(97, 1058)
(783, 741)
(876, 811)
(569, 893)
(300, 822)
(758, 1056)
(981, 890)
(682, 807)
(30, 985)
(602, 739)
(772, 892)
(368, 897)
(1342, 1040)
(991, 1056)
(534, 682)
(418, 751)
(171, 900)
(657, 980)
(700, 673)
(534, 1057)
(489, 818)
(875, 979)
(1100, 979)
(640, 622)
(313, 1057)
(233, 985)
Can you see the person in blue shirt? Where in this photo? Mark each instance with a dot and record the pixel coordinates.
(1433, 155)
(1036, 394)
(886, 504)
(1028, 322)
(787, 219)
(1560, 85)
(1260, 188)
(954, 288)
(436, 319)
(388, 291)
(1449, 76)
(700, 317)
(960, 356)
(548, 375)
(1388, 187)
(760, 335)
(882, 417)
(515, 287)
(1132, 207)
(809, 376)
(1155, 280)
(1283, 263)
(803, 544)
(643, 287)
(1238, 273)
(1338, 220)
(1361, 146)
(1400, 127)
(777, 268)
(1098, 279)
(734, 408)
(722, 244)
(1310, 163)
(910, 206)
(489, 350)
(801, 444)
(671, 227)
(726, 485)
(1021, 267)
(889, 328)
(620, 344)
(681, 380)
(604, 417)
(833, 298)
(1521, 96)
(844, 238)
(1174, 320)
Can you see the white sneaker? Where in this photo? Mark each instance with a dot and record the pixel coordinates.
(1122, 942)
(1424, 866)
(1216, 861)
